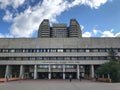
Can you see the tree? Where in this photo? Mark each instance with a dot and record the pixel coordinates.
(112, 54)
(112, 67)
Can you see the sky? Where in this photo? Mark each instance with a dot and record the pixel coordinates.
(97, 18)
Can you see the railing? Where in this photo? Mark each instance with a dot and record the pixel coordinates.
(84, 62)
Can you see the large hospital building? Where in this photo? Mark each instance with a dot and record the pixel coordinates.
(57, 52)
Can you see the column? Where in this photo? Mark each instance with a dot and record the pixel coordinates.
(21, 75)
(8, 72)
(78, 71)
(64, 71)
(35, 71)
(92, 71)
(49, 72)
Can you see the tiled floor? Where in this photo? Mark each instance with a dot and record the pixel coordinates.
(58, 85)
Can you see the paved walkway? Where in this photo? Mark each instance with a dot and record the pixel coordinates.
(58, 85)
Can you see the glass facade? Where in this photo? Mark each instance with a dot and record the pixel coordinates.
(58, 50)
(57, 58)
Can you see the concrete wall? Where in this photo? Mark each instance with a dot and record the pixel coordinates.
(60, 42)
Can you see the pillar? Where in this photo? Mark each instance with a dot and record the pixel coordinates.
(78, 71)
(8, 72)
(64, 71)
(35, 71)
(92, 71)
(108, 76)
(22, 70)
(49, 72)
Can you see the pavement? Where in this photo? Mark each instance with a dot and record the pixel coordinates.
(58, 85)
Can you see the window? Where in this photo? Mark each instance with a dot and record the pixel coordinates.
(81, 50)
(42, 66)
(95, 58)
(18, 58)
(53, 66)
(73, 50)
(60, 50)
(11, 58)
(32, 58)
(116, 50)
(38, 58)
(88, 58)
(60, 58)
(69, 66)
(81, 58)
(66, 58)
(18, 50)
(5, 50)
(52, 58)
(95, 50)
(46, 58)
(73, 58)
(102, 50)
(12, 50)
(25, 58)
(53, 50)
(59, 66)
(87, 50)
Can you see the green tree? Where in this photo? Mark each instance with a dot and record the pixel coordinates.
(112, 54)
(112, 67)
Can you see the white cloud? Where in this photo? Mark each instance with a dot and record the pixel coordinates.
(27, 22)
(95, 31)
(108, 33)
(14, 3)
(6, 36)
(82, 27)
(117, 34)
(1, 35)
(8, 16)
(95, 3)
(92, 3)
(87, 34)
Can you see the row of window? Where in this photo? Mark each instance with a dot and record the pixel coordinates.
(58, 58)
(57, 50)
(55, 66)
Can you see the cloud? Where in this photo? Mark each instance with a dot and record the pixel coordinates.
(87, 34)
(82, 27)
(95, 3)
(106, 33)
(14, 3)
(110, 34)
(95, 31)
(8, 16)
(92, 3)
(5, 36)
(1, 35)
(25, 23)
(117, 34)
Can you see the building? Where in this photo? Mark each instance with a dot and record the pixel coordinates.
(59, 51)
(59, 30)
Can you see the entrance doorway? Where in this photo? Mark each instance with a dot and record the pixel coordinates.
(74, 75)
(42, 75)
(2, 71)
(56, 75)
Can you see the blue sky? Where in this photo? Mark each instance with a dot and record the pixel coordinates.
(21, 18)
